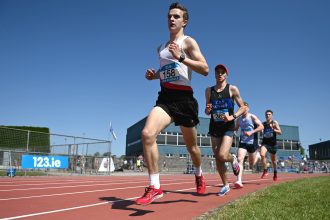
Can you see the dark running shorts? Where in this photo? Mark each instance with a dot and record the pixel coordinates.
(181, 106)
(251, 148)
(221, 134)
(271, 149)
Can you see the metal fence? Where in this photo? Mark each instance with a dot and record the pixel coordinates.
(85, 155)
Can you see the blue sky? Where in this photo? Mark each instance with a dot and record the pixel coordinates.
(74, 66)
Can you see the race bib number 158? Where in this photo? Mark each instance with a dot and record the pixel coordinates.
(169, 73)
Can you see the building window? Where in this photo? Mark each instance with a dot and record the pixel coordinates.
(183, 155)
(172, 140)
(161, 139)
(181, 141)
(169, 155)
(280, 144)
(295, 146)
(205, 141)
(287, 145)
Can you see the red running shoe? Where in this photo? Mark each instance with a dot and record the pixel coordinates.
(275, 177)
(200, 184)
(150, 195)
(264, 174)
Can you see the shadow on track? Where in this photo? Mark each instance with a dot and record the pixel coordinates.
(138, 210)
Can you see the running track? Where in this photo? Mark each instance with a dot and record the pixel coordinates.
(111, 197)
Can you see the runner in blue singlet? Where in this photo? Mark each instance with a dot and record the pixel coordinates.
(250, 125)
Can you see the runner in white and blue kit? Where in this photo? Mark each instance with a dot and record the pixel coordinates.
(179, 56)
(250, 125)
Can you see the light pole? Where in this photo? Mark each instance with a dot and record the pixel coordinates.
(83, 147)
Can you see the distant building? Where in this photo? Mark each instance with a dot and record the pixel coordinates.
(320, 151)
(170, 141)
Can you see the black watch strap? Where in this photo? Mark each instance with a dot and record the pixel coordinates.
(182, 57)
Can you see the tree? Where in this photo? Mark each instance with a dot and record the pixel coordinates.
(301, 148)
(106, 154)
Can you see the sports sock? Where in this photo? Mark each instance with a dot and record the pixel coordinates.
(154, 180)
(198, 171)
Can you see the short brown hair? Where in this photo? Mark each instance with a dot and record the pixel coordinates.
(182, 8)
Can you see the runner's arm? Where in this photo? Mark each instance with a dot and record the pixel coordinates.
(258, 123)
(195, 60)
(276, 128)
(208, 106)
(235, 94)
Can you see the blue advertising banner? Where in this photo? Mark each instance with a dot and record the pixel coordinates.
(38, 161)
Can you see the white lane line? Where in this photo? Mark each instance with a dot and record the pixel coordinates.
(122, 188)
(75, 186)
(52, 183)
(19, 181)
(89, 191)
(55, 211)
(114, 201)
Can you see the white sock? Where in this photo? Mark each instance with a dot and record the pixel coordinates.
(198, 171)
(154, 180)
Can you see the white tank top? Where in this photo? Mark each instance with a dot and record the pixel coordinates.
(173, 74)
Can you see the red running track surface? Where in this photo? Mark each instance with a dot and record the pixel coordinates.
(112, 197)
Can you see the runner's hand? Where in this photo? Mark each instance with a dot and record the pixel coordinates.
(208, 109)
(175, 50)
(150, 74)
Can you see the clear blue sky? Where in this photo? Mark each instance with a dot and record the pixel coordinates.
(76, 65)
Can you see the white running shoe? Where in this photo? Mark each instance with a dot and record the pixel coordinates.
(235, 165)
(224, 190)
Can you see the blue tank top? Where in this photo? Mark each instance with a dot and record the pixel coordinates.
(246, 124)
(269, 135)
(222, 104)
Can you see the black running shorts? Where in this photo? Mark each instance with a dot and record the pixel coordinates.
(180, 105)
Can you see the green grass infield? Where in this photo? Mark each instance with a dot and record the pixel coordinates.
(307, 198)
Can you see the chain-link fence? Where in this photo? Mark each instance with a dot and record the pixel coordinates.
(84, 155)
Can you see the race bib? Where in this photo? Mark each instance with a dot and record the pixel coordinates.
(268, 133)
(219, 114)
(169, 73)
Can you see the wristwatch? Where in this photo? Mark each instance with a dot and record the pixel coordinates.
(234, 115)
(182, 57)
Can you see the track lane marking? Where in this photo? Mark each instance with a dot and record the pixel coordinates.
(114, 201)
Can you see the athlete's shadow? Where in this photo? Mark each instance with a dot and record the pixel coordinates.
(118, 203)
(251, 183)
(187, 193)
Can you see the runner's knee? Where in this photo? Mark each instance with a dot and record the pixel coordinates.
(147, 136)
(223, 158)
(193, 149)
